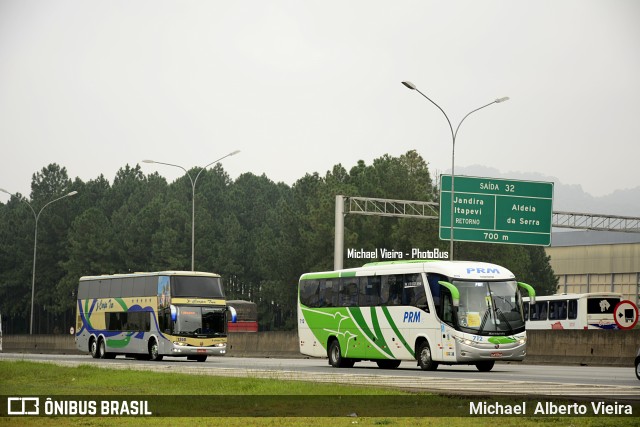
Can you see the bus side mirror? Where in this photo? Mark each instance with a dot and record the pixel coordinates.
(234, 315)
(455, 293)
(530, 291)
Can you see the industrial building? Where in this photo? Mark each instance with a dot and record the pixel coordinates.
(596, 261)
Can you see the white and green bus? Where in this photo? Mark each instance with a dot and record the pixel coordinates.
(151, 315)
(432, 312)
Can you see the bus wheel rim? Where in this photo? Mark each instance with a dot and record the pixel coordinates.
(425, 356)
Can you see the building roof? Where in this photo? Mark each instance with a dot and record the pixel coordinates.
(592, 237)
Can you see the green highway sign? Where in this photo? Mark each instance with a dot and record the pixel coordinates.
(493, 210)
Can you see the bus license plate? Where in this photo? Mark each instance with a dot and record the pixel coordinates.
(201, 350)
(496, 354)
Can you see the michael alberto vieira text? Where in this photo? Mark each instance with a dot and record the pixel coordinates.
(550, 408)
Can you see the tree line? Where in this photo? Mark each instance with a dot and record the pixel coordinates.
(258, 234)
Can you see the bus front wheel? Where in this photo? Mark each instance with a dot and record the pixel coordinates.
(154, 351)
(485, 366)
(425, 361)
(335, 356)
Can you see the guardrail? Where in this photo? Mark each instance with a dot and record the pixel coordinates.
(570, 347)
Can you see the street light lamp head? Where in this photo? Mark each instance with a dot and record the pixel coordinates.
(148, 161)
(503, 99)
(73, 193)
(409, 85)
(4, 191)
(234, 153)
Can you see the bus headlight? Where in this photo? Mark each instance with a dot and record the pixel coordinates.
(180, 343)
(465, 341)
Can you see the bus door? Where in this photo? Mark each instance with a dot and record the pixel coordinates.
(445, 341)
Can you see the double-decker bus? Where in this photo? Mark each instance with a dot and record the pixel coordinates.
(151, 315)
(432, 312)
(572, 311)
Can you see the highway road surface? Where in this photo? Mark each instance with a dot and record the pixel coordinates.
(591, 382)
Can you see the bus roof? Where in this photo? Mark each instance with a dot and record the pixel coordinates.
(576, 296)
(154, 273)
(470, 270)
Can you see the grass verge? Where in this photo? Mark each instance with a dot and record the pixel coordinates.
(294, 402)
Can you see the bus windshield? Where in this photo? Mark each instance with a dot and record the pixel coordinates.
(196, 286)
(490, 307)
(200, 321)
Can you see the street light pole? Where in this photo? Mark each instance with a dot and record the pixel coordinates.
(193, 198)
(453, 148)
(36, 217)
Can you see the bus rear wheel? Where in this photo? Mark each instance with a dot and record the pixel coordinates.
(102, 351)
(388, 364)
(425, 361)
(485, 366)
(154, 351)
(93, 348)
(335, 356)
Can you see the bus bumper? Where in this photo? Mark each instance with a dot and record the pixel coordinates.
(186, 350)
(470, 352)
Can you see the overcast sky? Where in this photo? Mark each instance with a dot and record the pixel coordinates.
(299, 86)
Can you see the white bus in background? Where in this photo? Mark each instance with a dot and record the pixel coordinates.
(572, 311)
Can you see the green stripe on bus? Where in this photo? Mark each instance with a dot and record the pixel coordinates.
(385, 310)
(86, 313)
(378, 331)
(122, 304)
(329, 275)
(502, 340)
(121, 343)
(357, 316)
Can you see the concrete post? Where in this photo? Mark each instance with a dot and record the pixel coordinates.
(338, 249)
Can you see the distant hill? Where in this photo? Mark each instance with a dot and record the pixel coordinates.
(569, 198)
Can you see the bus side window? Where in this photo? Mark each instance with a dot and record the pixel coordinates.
(414, 293)
(369, 290)
(115, 288)
(327, 295)
(104, 289)
(557, 310)
(539, 311)
(150, 285)
(127, 288)
(93, 289)
(138, 287)
(391, 293)
(309, 292)
(525, 310)
(573, 309)
(349, 292)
